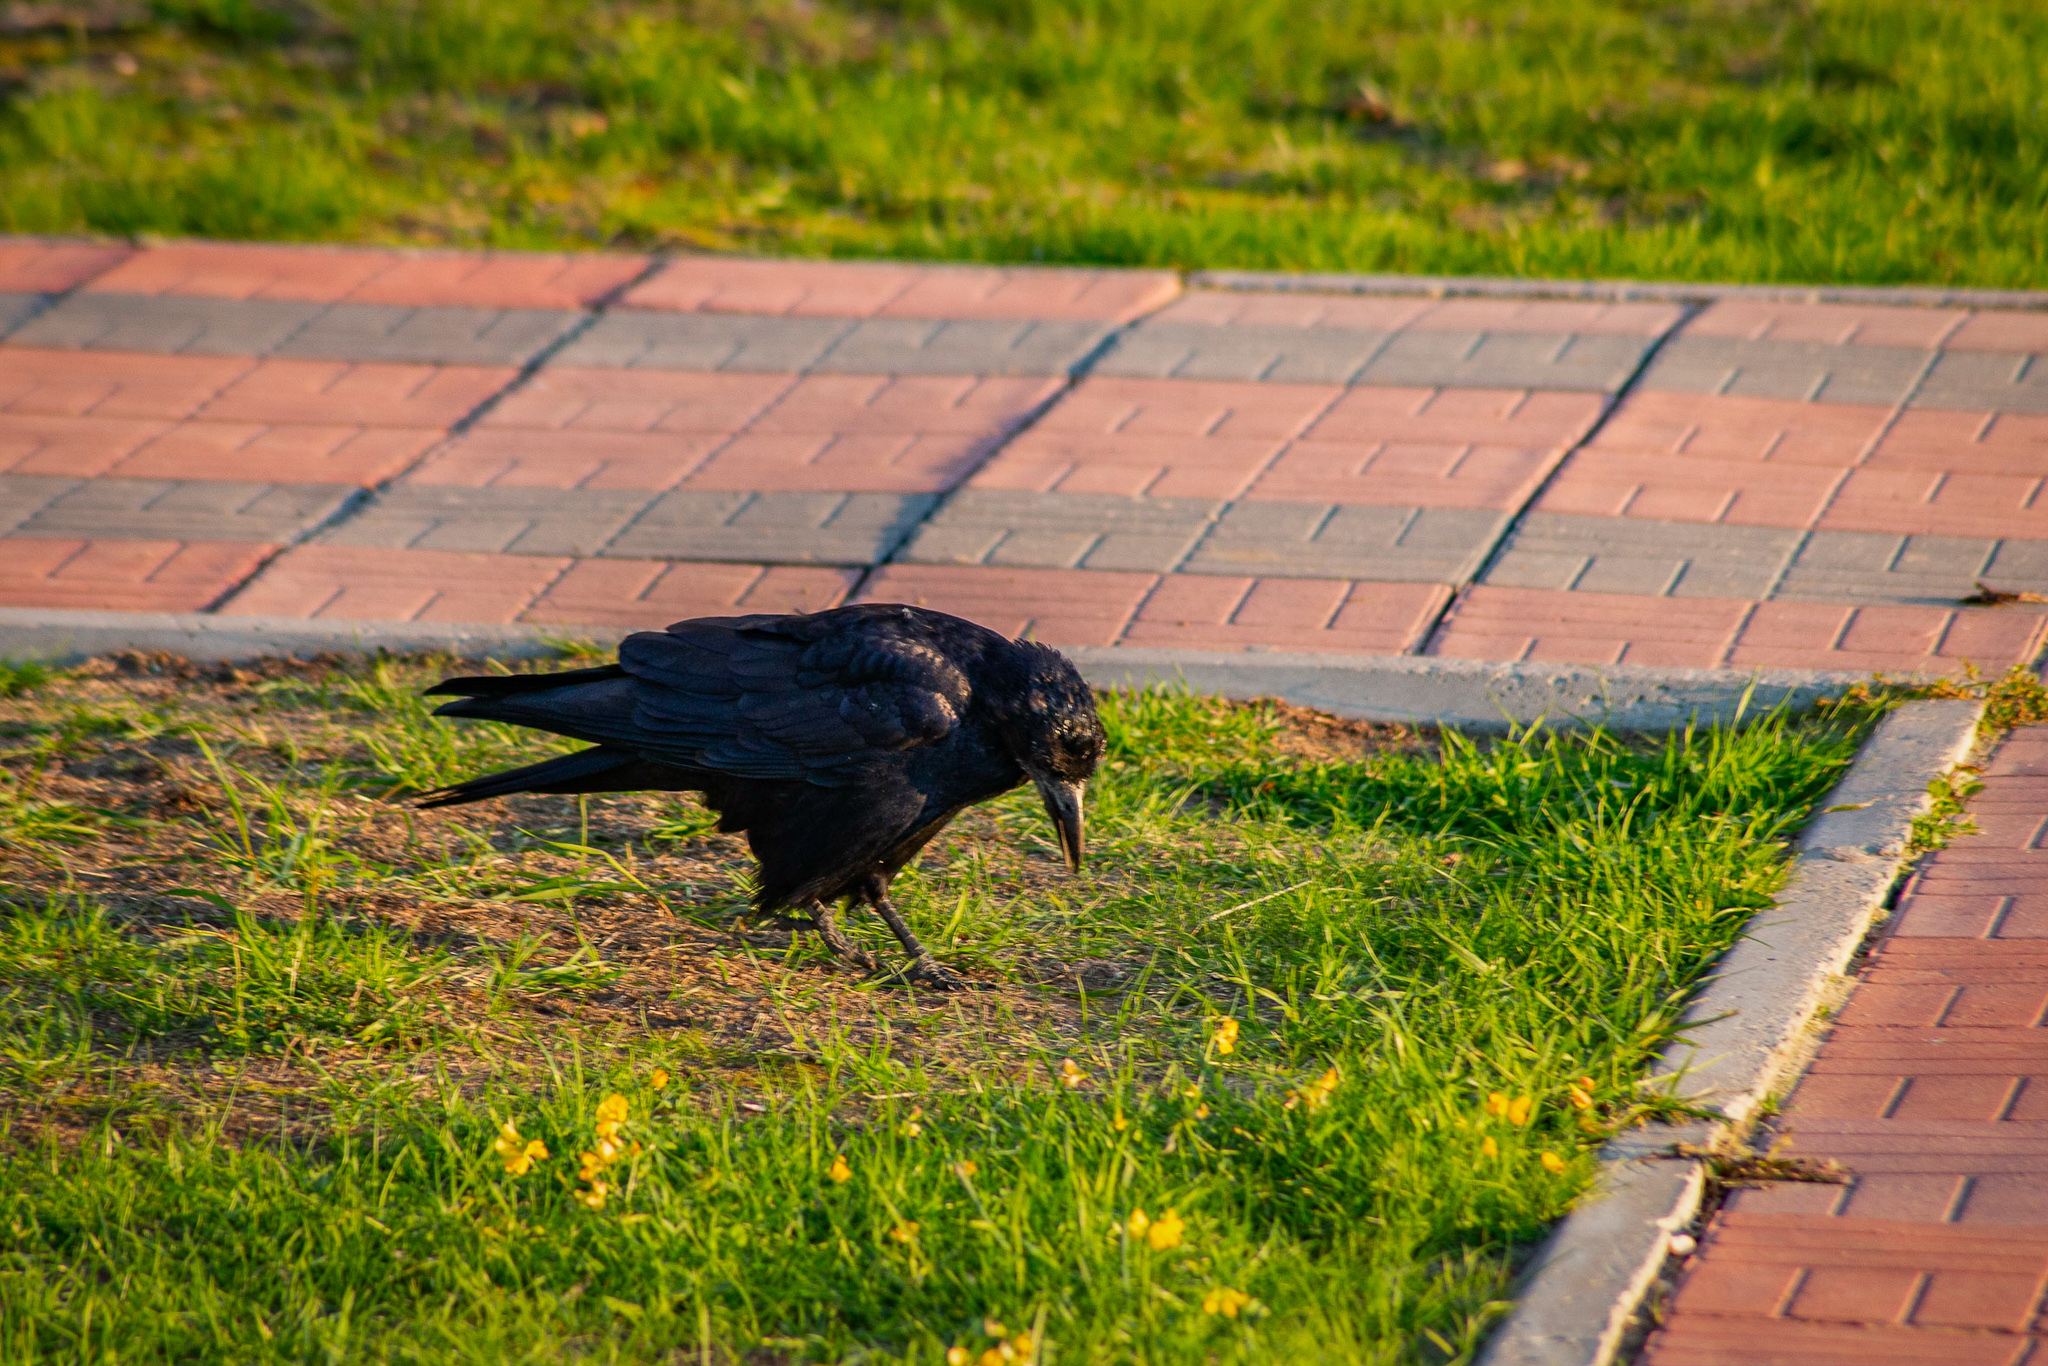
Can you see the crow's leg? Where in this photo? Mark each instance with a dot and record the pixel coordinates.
(824, 918)
(923, 967)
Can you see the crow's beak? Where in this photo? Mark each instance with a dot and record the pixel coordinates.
(1063, 804)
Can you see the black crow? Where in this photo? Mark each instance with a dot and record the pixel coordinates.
(840, 741)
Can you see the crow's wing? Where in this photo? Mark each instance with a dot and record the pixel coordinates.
(809, 698)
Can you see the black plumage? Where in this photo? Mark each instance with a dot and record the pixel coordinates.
(841, 741)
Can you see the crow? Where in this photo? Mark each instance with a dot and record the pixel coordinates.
(840, 741)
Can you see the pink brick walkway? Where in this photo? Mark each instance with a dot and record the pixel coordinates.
(1932, 1090)
(1097, 457)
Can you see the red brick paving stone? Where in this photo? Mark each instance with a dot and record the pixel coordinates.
(114, 383)
(1606, 483)
(29, 266)
(946, 404)
(1970, 1099)
(1816, 1198)
(575, 398)
(1850, 1097)
(1707, 1340)
(1997, 1199)
(1966, 443)
(854, 463)
(1404, 474)
(1938, 916)
(123, 576)
(1330, 616)
(1057, 606)
(2001, 330)
(234, 270)
(1587, 628)
(1929, 1199)
(280, 452)
(83, 447)
(1161, 438)
(488, 457)
(649, 594)
(1918, 1006)
(1938, 503)
(366, 583)
(1719, 1286)
(1836, 324)
(500, 279)
(1854, 1294)
(1722, 427)
(380, 394)
(1809, 635)
(879, 289)
(1544, 419)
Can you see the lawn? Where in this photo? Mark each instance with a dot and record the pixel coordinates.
(1825, 141)
(1324, 1035)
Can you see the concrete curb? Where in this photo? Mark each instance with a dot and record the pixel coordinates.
(1400, 688)
(1615, 291)
(1746, 1031)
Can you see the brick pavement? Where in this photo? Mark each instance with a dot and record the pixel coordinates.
(1095, 455)
(1931, 1088)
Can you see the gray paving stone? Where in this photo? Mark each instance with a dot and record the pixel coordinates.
(1769, 368)
(704, 341)
(449, 336)
(16, 309)
(1568, 551)
(515, 520)
(1348, 541)
(174, 509)
(1507, 360)
(141, 322)
(1061, 530)
(974, 346)
(22, 496)
(1857, 566)
(776, 528)
(1304, 355)
(1977, 380)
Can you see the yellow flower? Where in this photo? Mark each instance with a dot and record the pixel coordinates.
(840, 1172)
(516, 1153)
(658, 1078)
(1489, 1147)
(1165, 1231)
(611, 1113)
(911, 1127)
(965, 1168)
(1225, 1301)
(1585, 1083)
(1316, 1094)
(594, 1197)
(1201, 1112)
(592, 1165)
(956, 1356)
(1580, 1098)
(1552, 1163)
(1226, 1035)
(1071, 1076)
(1518, 1111)
(1021, 1344)
(1138, 1222)
(1496, 1103)
(1119, 1124)
(994, 1328)
(996, 1356)
(904, 1232)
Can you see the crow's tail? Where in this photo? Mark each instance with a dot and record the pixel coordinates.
(508, 685)
(588, 770)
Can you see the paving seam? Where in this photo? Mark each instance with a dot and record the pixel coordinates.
(1750, 1022)
(364, 497)
(47, 300)
(1514, 521)
(1076, 372)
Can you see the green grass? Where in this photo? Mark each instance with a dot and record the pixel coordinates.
(1794, 140)
(252, 1113)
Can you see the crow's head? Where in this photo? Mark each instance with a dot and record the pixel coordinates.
(1048, 720)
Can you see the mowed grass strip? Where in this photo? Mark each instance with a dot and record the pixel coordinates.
(1824, 141)
(1329, 1028)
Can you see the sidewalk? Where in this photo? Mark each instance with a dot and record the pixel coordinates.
(1099, 457)
(1932, 1090)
